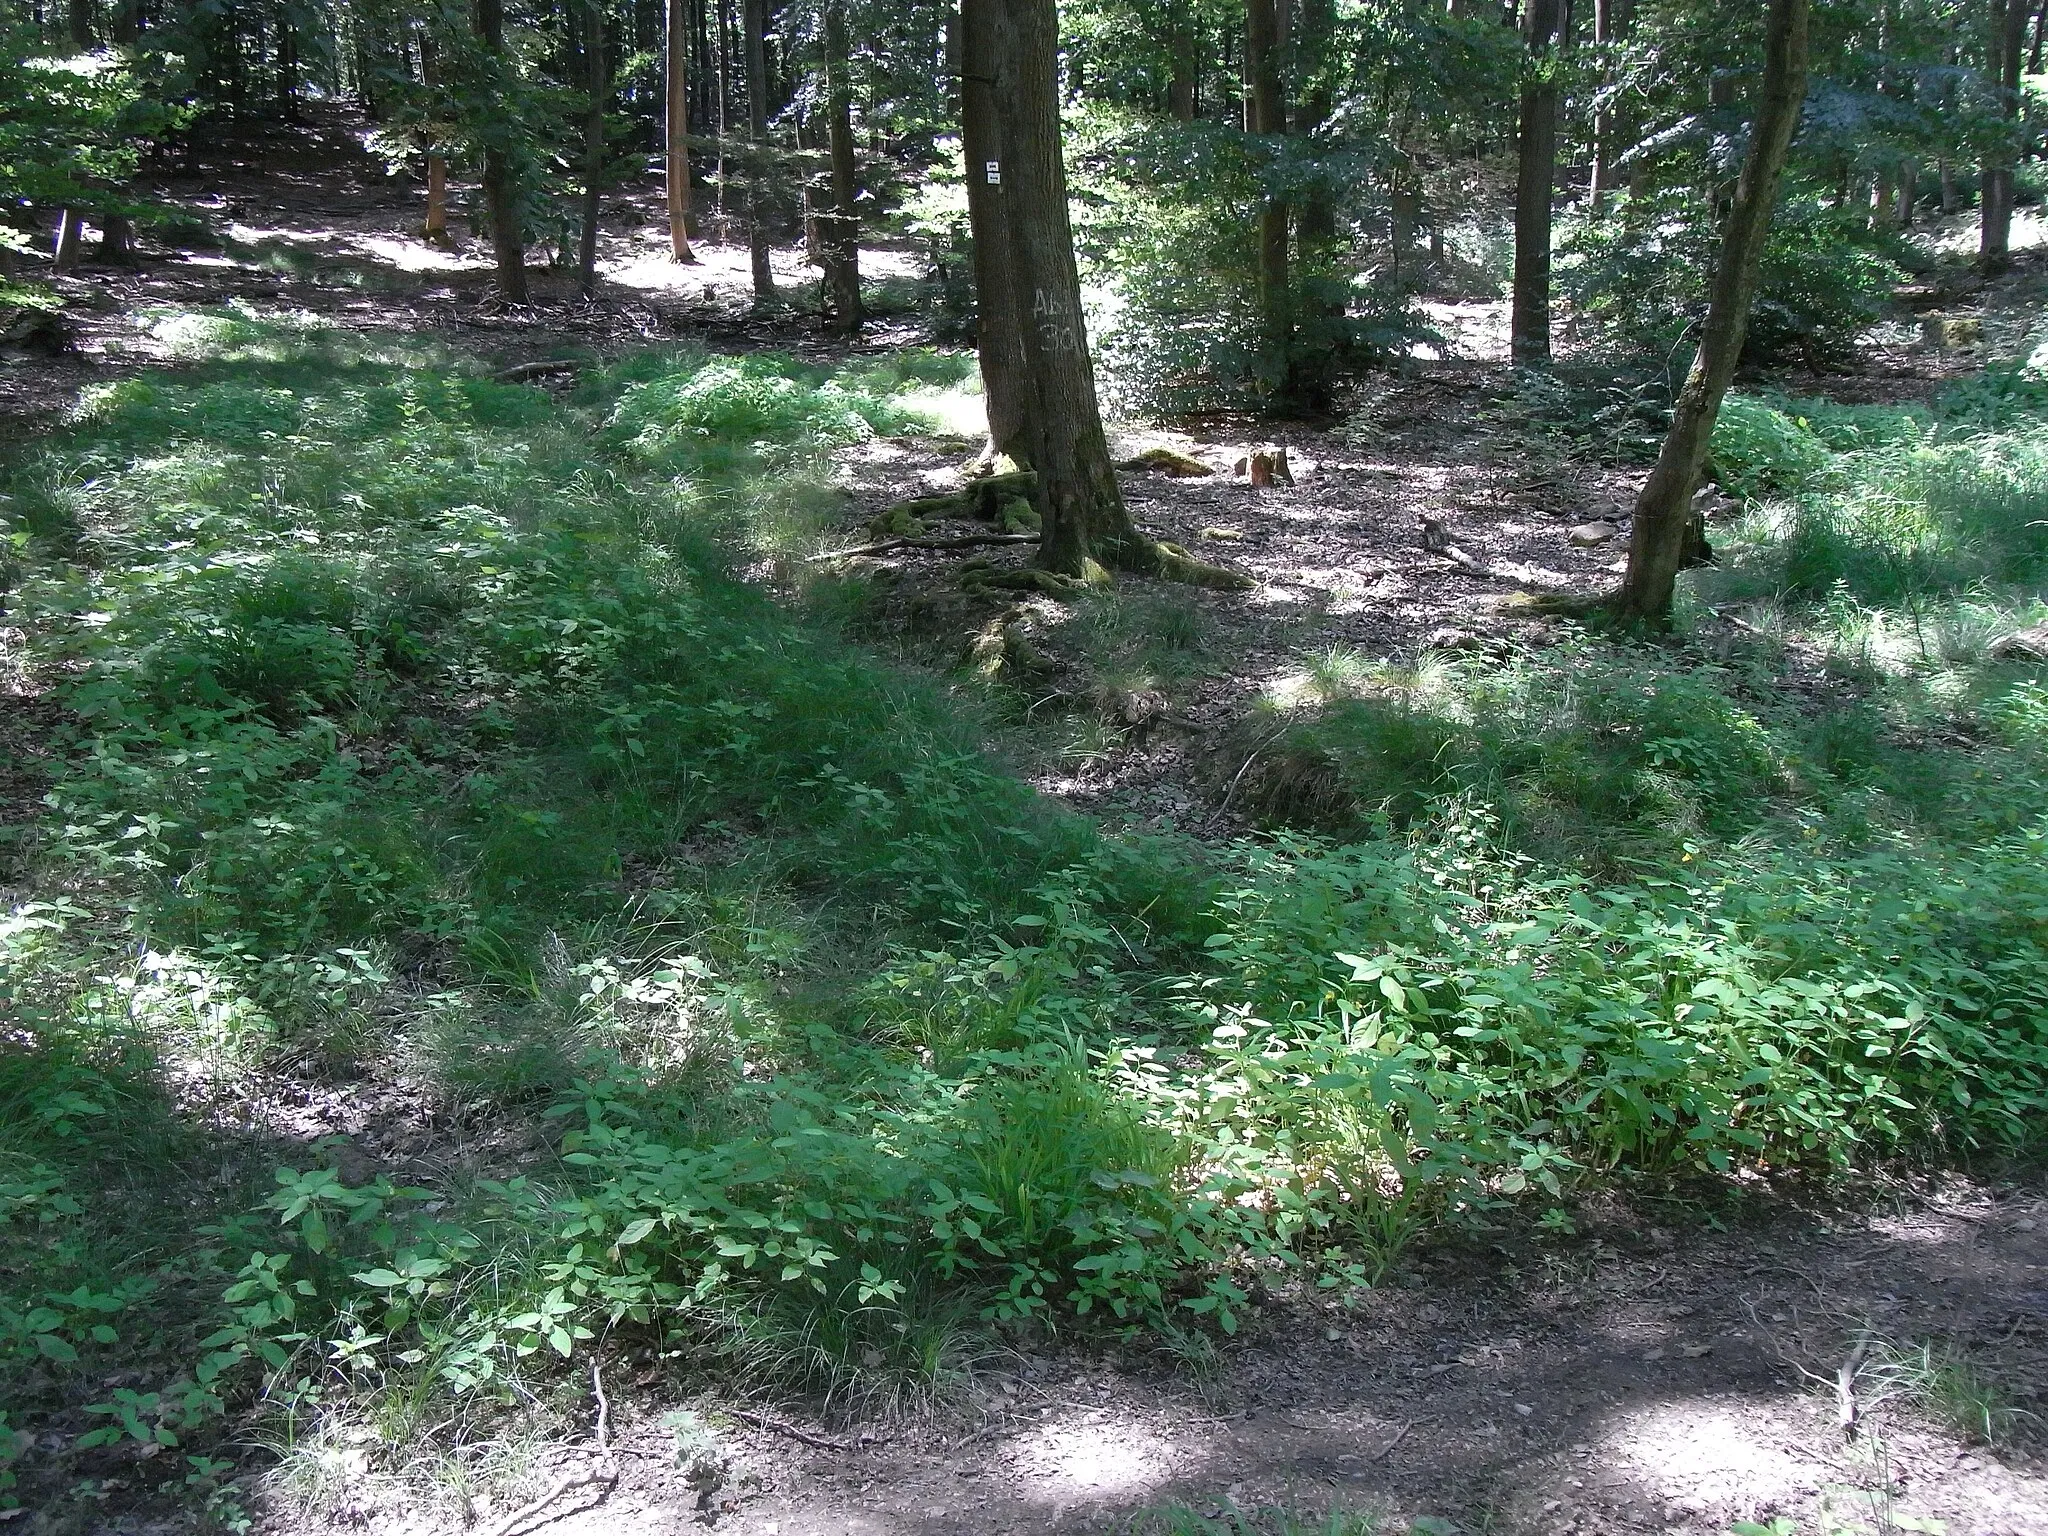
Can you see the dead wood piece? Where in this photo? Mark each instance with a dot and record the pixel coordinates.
(777, 1426)
(962, 541)
(1168, 461)
(605, 1474)
(2022, 645)
(526, 373)
(1845, 1387)
(1265, 467)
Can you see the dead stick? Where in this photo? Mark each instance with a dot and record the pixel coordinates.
(1845, 1387)
(965, 541)
(762, 1421)
(519, 373)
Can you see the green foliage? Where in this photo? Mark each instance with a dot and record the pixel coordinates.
(416, 718)
(1640, 270)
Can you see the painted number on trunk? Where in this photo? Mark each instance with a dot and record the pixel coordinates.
(995, 173)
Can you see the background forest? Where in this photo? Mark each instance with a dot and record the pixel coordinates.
(628, 849)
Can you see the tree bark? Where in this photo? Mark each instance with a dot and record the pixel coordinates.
(2009, 30)
(117, 234)
(1265, 113)
(1600, 179)
(1535, 184)
(1658, 545)
(1013, 47)
(754, 19)
(842, 247)
(600, 87)
(501, 183)
(676, 125)
(71, 221)
(1181, 60)
(436, 227)
(998, 324)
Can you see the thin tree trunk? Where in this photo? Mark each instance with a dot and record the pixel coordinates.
(1909, 191)
(600, 88)
(1995, 203)
(755, 21)
(2040, 26)
(501, 189)
(1265, 113)
(998, 321)
(1664, 532)
(1181, 60)
(1599, 181)
(435, 229)
(1535, 184)
(724, 97)
(676, 159)
(842, 247)
(117, 234)
(71, 221)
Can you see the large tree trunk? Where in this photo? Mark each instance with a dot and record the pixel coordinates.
(1535, 184)
(1321, 318)
(1664, 529)
(501, 186)
(676, 123)
(1086, 524)
(1265, 113)
(600, 88)
(998, 322)
(842, 245)
(754, 20)
(2008, 36)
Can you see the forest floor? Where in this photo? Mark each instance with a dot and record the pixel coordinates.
(1668, 1368)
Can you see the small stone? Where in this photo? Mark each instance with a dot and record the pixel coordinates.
(1694, 1351)
(1524, 1409)
(1227, 535)
(2024, 1224)
(1592, 535)
(1651, 1357)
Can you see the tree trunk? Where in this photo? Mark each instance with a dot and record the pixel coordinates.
(71, 221)
(676, 156)
(754, 18)
(1599, 181)
(1265, 113)
(998, 322)
(1535, 183)
(1181, 60)
(1664, 528)
(1909, 191)
(2009, 30)
(600, 88)
(2040, 26)
(501, 185)
(435, 229)
(117, 234)
(842, 246)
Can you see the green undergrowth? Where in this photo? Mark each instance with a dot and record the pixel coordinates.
(423, 746)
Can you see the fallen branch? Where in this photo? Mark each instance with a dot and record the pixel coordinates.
(1845, 1388)
(525, 373)
(777, 1426)
(605, 1473)
(889, 546)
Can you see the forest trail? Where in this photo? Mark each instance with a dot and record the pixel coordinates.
(1619, 1378)
(1622, 1382)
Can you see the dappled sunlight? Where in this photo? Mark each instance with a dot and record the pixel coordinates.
(1724, 1455)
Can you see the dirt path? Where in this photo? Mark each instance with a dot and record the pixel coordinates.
(1624, 1380)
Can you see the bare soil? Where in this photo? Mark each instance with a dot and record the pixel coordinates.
(1650, 1373)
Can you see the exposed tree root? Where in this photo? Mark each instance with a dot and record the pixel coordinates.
(985, 498)
(1170, 562)
(963, 541)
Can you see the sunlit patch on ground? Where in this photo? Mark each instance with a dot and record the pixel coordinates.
(1724, 1455)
